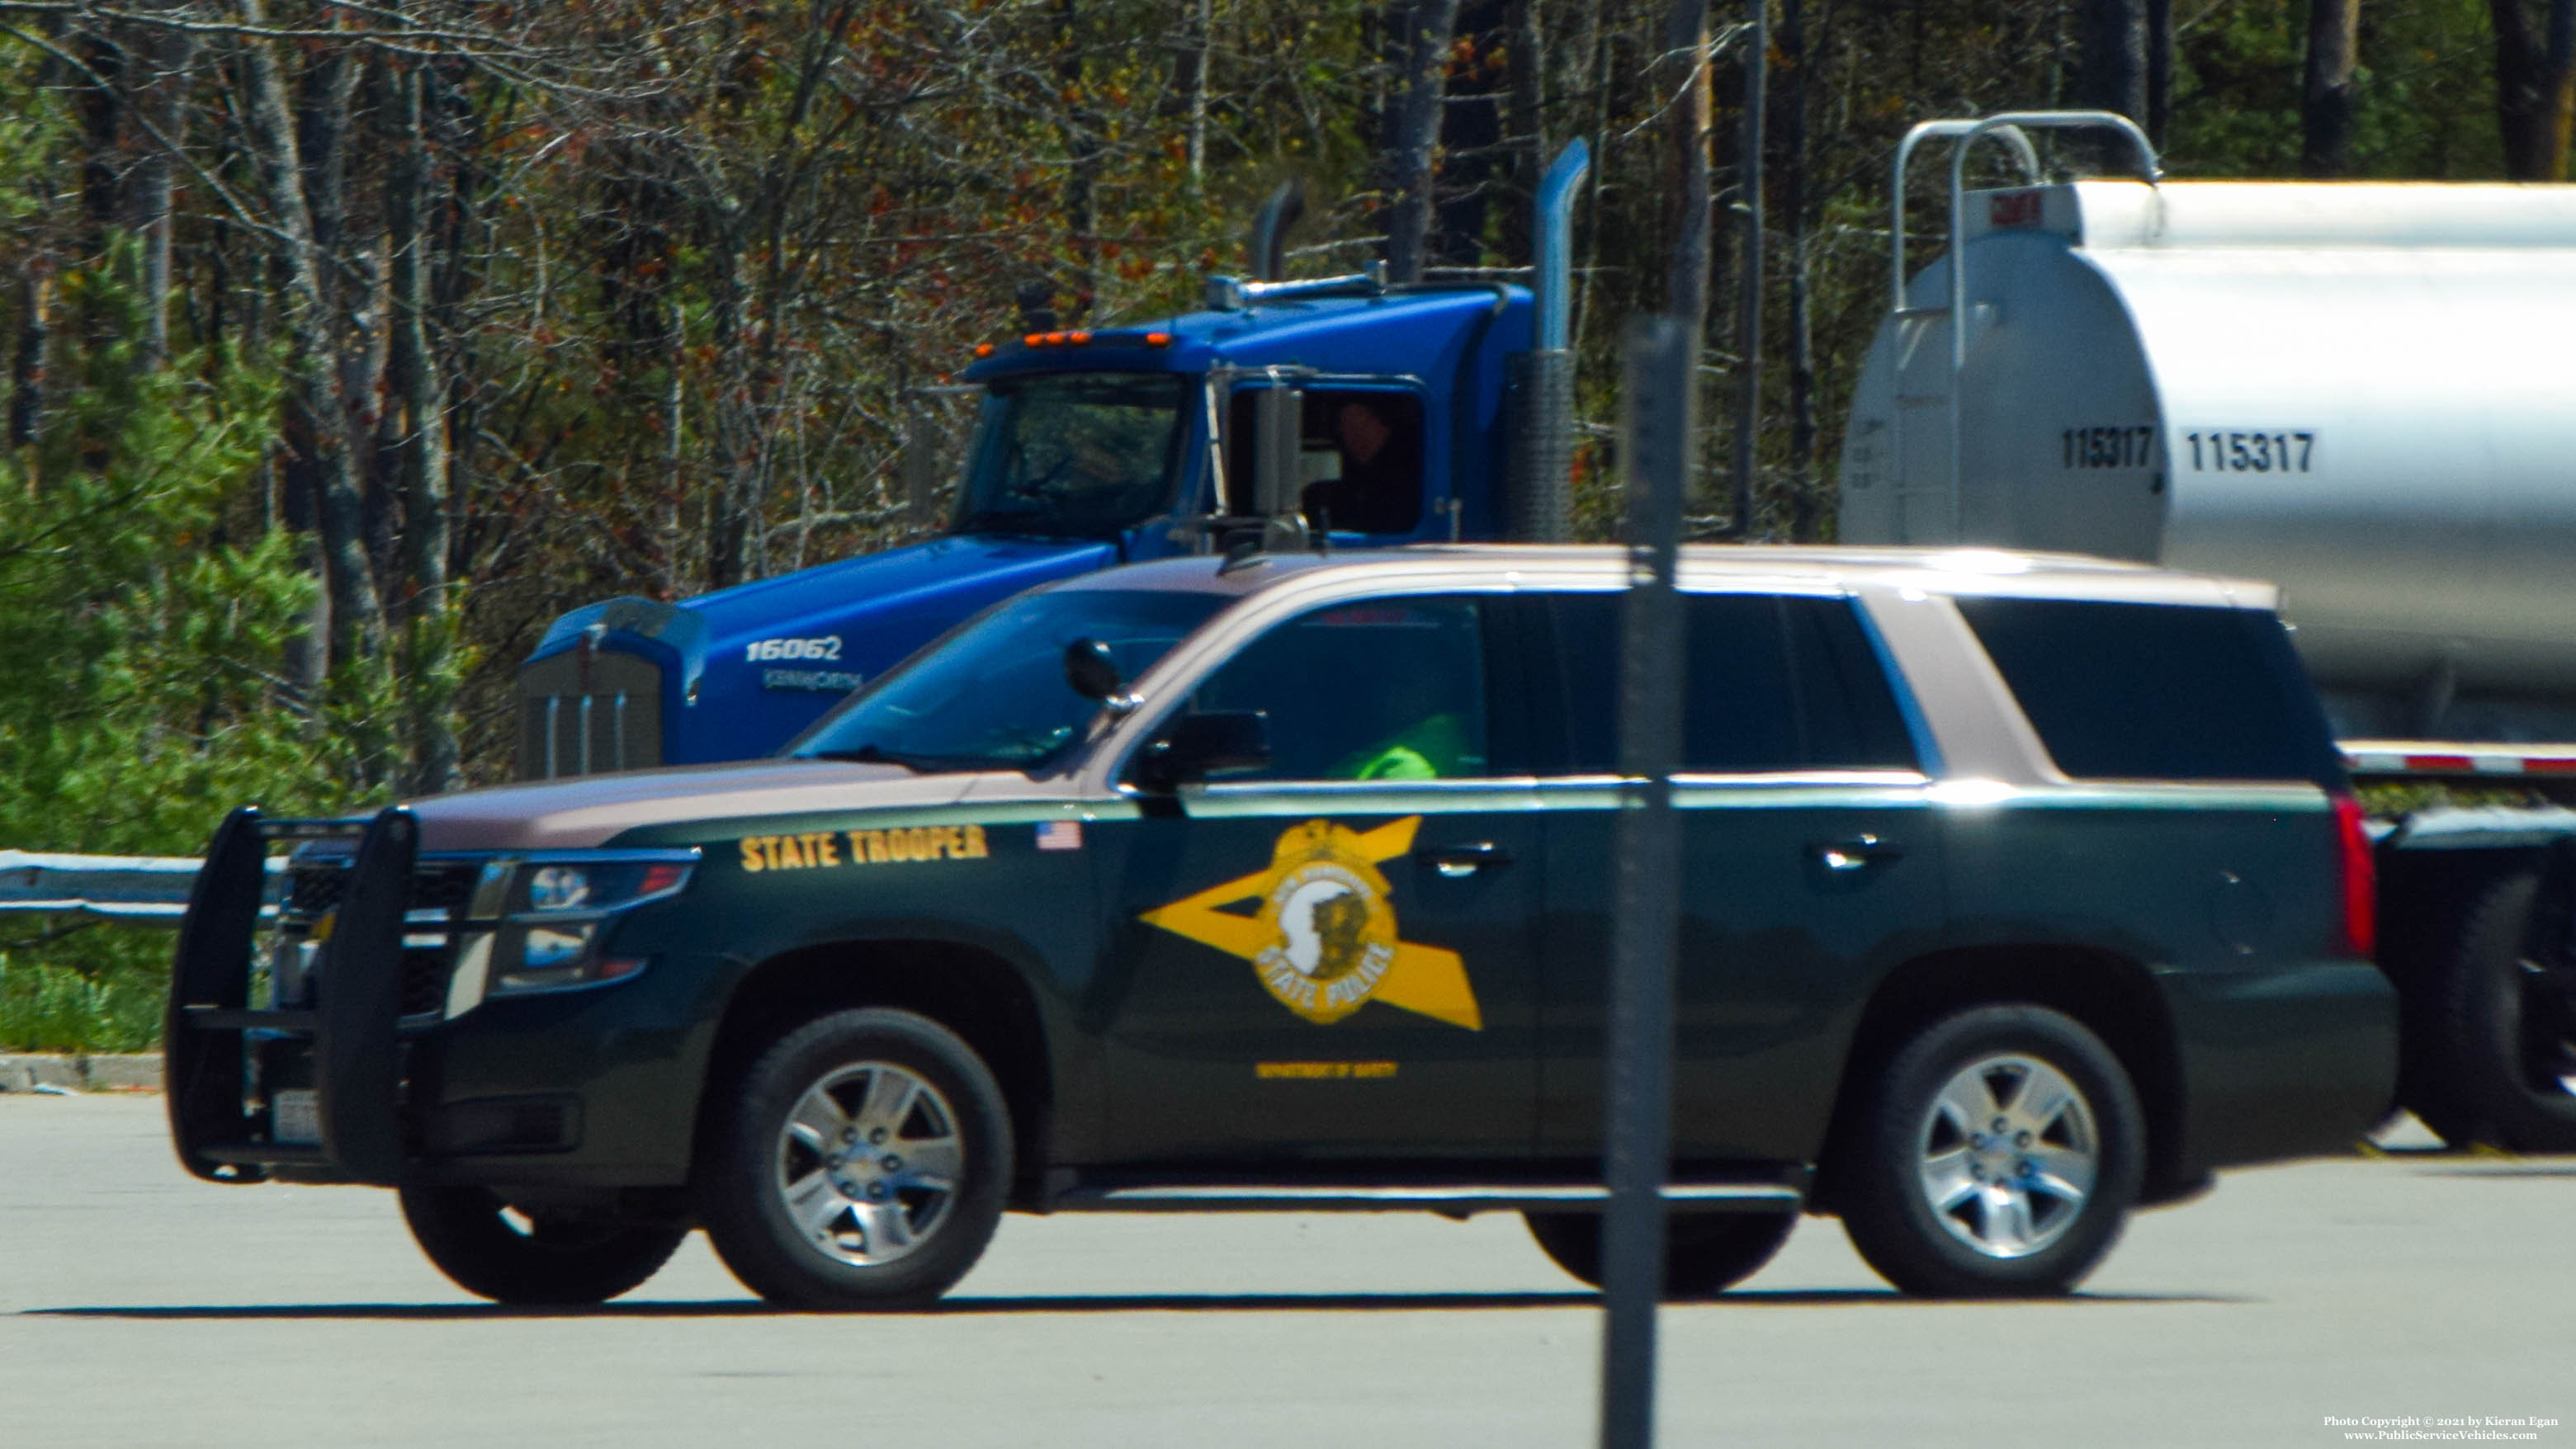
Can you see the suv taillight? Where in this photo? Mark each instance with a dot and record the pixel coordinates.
(2360, 879)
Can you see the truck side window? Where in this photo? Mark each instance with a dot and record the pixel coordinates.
(1388, 689)
(1369, 442)
(1774, 684)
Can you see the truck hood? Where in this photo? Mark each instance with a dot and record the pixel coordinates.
(589, 811)
(921, 578)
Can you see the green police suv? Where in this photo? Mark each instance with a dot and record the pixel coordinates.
(2020, 891)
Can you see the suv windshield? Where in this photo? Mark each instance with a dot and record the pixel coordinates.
(992, 695)
(1080, 454)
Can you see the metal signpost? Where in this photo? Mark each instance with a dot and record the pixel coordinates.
(1654, 438)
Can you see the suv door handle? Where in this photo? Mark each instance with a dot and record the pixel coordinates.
(1858, 853)
(1457, 862)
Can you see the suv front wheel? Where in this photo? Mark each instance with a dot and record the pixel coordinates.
(487, 1247)
(861, 1164)
(1997, 1157)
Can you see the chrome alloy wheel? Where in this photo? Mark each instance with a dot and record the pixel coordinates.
(870, 1163)
(2009, 1155)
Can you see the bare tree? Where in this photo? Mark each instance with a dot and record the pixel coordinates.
(2325, 110)
(1422, 41)
(2535, 71)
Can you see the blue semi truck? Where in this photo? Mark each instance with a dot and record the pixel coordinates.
(1335, 412)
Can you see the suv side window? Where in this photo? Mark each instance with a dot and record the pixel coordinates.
(1383, 689)
(1774, 684)
(2158, 691)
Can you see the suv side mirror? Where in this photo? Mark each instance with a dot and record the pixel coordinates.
(1092, 670)
(1200, 745)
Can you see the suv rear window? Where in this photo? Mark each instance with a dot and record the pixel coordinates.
(2158, 691)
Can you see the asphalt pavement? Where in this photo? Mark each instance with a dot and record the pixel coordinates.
(139, 1307)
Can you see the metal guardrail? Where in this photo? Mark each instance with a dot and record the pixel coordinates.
(141, 890)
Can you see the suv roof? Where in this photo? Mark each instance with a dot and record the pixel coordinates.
(1953, 571)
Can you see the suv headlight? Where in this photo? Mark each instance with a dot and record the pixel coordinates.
(548, 915)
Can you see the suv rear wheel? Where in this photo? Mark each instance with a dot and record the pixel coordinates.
(1704, 1253)
(1998, 1157)
(495, 1251)
(861, 1164)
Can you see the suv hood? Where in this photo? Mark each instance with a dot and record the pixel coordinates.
(591, 810)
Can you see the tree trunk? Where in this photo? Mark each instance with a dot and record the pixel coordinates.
(1422, 40)
(1748, 306)
(423, 446)
(2325, 108)
(166, 55)
(31, 356)
(1804, 506)
(1082, 127)
(727, 502)
(2160, 62)
(1192, 81)
(2110, 70)
(1471, 139)
(316, 422)
(2526, 93)
(2560, 88)
(1526, 122)
(1689, 128)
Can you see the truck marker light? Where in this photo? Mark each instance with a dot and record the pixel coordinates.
(1324, 942)
(983, 349)
(1158, 339)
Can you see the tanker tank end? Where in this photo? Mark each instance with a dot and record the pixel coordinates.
(2353, 390)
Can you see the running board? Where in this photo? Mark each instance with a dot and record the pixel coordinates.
(1447, 1199)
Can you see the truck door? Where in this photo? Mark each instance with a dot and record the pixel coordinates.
(1330, 956)
(1810, 865)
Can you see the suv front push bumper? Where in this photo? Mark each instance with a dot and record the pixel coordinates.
(220, 1112)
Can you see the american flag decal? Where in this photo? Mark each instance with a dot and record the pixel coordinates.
(1060, 835)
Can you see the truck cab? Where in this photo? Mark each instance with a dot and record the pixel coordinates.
(1326, 413)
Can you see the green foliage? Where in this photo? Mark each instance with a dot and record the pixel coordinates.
(146, 630)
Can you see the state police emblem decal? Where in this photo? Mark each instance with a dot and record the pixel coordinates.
(1332, 933)
(1323, 941)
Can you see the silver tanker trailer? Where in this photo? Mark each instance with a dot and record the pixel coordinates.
(2364, 392)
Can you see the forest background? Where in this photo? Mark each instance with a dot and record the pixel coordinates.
(347, 344)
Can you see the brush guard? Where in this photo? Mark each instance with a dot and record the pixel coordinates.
(215, 1042)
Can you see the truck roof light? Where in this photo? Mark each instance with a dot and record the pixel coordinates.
(1158, 339)
(983, 349)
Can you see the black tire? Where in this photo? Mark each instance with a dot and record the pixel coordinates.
(490, 1250)
(1976, 1246)
(1704, 1253)
(881, 1238)
(2499, 1042)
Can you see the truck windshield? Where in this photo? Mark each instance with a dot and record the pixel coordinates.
(1077, 455)
(992, 695)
